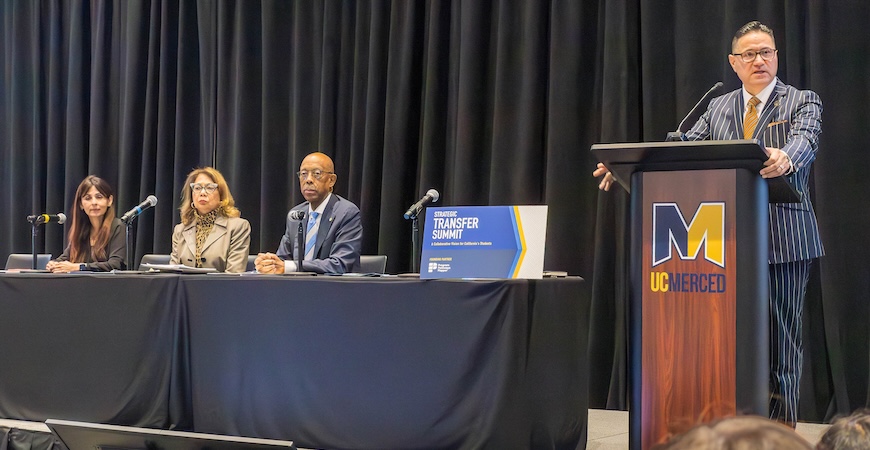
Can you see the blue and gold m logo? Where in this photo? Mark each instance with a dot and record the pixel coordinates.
(707, 228)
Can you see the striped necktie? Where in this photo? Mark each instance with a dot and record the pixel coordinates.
(751, 120)
(311, 235)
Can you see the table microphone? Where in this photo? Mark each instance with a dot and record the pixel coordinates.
(133, 213)
(431, 196)
(298, 214)
(39, 219)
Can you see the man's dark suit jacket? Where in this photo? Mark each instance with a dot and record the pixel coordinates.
(790, 121)
(339, 238)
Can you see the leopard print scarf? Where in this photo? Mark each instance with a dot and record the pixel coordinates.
(204, 224)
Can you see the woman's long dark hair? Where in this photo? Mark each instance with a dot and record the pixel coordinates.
(80, 230)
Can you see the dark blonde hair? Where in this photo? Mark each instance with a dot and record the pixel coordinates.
(80, 229)
(738, 433)
(848, 433)
(227, 206)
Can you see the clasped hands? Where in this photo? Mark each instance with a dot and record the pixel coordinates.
(62, 266)
(269, 263)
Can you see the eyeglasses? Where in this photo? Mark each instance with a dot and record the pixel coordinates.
(749, 55)
(317, 174)
(209, 188)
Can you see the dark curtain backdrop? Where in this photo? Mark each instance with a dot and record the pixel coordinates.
(490, 102)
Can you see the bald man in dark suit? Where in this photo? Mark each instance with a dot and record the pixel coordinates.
(333, 229)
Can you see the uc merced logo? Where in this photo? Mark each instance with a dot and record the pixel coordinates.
(671, 233)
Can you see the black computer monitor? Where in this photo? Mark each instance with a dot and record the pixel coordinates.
(93, 436)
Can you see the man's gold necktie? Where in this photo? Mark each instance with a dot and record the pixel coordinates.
(751, 119)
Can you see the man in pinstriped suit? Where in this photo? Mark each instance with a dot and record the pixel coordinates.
(788, 121)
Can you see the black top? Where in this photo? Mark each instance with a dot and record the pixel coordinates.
(117, 251)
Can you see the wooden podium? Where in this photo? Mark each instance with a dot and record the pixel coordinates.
(698, 308)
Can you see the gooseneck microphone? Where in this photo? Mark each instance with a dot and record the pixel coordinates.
(431, 196)
(678, 135)
(133, 213)
(297, 215)
(39, 219)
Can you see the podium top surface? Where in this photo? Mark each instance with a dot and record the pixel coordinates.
(624, 159)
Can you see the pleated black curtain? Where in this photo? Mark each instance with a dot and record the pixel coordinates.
(490, 102)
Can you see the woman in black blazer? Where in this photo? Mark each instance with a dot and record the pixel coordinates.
(96, 237)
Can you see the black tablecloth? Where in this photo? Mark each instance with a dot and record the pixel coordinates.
(341, 363)
(94, 348)
(324, 361)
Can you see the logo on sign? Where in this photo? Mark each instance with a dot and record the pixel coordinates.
(706, 229)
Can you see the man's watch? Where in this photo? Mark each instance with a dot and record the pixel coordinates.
(83, 267)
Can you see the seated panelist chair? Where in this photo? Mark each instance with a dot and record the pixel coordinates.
(373, 263)
(25, 261)
(154, 258)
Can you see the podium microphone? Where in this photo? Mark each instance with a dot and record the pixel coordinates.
(133, 213)
(39, 219)
(678, 135)
(431, 196)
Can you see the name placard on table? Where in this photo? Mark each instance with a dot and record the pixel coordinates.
(484, 242)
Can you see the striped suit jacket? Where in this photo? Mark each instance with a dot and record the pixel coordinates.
(791, 121)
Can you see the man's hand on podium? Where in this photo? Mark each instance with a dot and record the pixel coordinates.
(777, 165)
(607, 181)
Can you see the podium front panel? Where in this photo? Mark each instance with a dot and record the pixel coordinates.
(687, 284)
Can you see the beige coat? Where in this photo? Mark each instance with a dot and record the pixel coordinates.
(225, 249)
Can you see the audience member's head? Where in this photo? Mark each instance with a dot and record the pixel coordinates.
(848, 433)
(738, 433)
